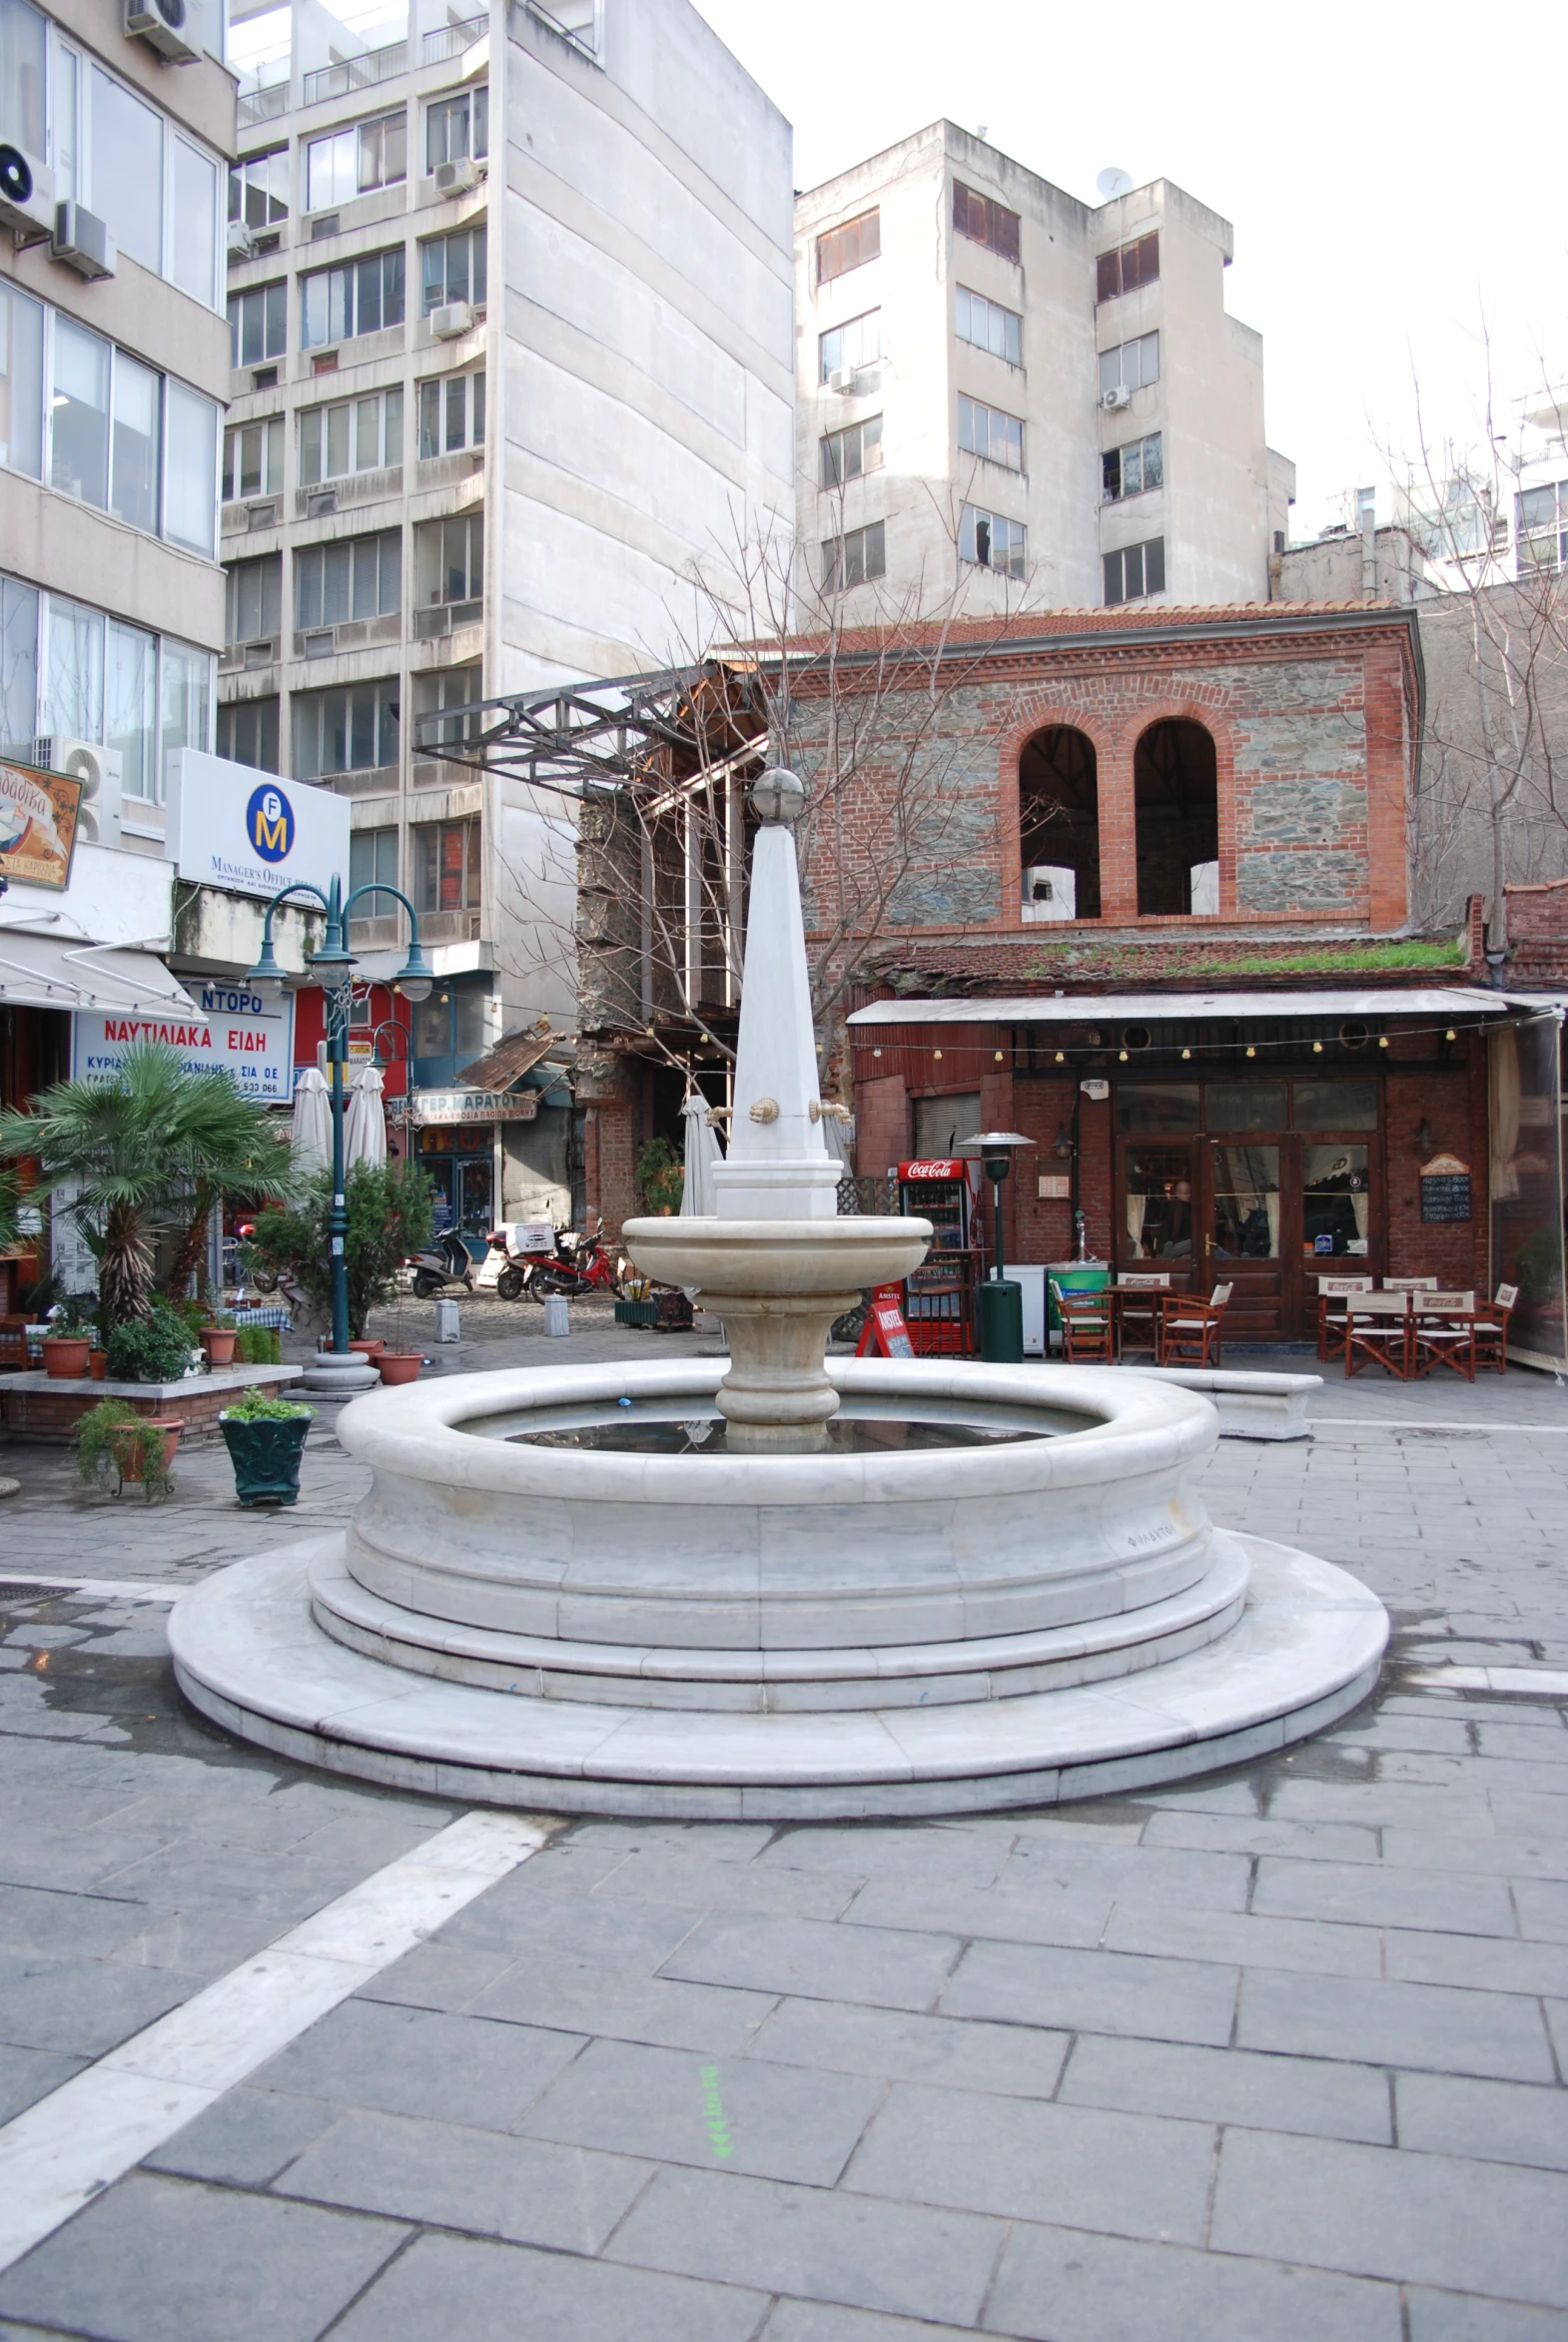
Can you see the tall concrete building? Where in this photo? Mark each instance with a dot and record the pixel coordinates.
(511, 306)
(1002, 392)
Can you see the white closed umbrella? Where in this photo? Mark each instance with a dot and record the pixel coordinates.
(704, 1151)
(311, 1132)
(365, 1123)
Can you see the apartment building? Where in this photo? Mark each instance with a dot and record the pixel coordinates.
(509, 302)
(1004, 394)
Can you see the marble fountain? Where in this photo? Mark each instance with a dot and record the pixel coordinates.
(793, 1588)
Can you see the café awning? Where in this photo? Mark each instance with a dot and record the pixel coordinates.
(50, 972)
(1184, 1008)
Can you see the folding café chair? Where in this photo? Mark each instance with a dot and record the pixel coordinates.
(1378, 1338)
(1331, 1321)
(1491, 1328)
(1190, 1330)
(1443, 1334)
(1086, 1326)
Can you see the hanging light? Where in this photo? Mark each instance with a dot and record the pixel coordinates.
(1061, 1057)
(999, 1057)
(1250, 1050)
(1122, 1054)
(1186, 1053)
(936, 1054)
(1317, 1048)
(1382, 1041)
(876, 1053)
(1450, 1035)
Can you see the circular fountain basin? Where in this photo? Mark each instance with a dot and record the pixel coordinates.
(546, 1600)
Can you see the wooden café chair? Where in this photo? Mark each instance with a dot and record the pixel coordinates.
(1331, 1321)
(1376, 1334)
(1190, 1330)
(1139, 1320)
(1084, 1319)
(1442, 1333)
(1491, 1328)
(1409, 1284)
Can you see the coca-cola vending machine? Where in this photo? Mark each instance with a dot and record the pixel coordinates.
(939, 1297)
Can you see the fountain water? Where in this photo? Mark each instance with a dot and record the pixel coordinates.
(882, 1588)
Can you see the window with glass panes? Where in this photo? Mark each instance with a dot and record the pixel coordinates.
(444, 701)
(1129, 470)
(252, 459)
(258, 188)
(456, 127)
(990, 433)
(351, 434)
(856, 343)
(1542, 526)
(248, 733)
(992, 541)
(124, 438)
(259, 324)
(855, 558)
(447, 866)
(353, 578)
(21, 382)
(350, 729)
(451, 414)
(360, 296)
(849, 453)
(69, 669)
(1135, 573)
(19, 612)
(1131, 364)
(452, 269)
(253, 597)
(373, 860)
(985, 325)
(984, 220)
(1129, 266)
(352, 161)
(448, 559)
(849, 247)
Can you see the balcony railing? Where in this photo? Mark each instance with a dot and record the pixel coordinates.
(262, 106)
(356, 73)
(450, 40)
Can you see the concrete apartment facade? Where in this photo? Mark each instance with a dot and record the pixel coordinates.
(512, 317)
(973, 343)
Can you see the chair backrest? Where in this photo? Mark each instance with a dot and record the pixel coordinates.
(1335, 1287)
(1220, 1294)
(1507, 1296)
(1460, 1304)
(1143, 1283)
(1409, 1284)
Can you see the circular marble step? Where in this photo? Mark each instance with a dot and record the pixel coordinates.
(249, 1653)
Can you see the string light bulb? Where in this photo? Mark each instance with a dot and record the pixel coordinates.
(1250, 1050)
(999, 1057)
(1317, 1048)
(1186, 1053)
(1061, 1057)
(1122, 1054)
(1450, 1035)
(937, 1056)
(876, 1053)
(1382, 1041)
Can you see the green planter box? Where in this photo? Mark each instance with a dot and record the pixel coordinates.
(637, 1313)
(266, 1458)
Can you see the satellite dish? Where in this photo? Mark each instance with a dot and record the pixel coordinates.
(1113, 183)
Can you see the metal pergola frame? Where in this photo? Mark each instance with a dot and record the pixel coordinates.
(580, 740)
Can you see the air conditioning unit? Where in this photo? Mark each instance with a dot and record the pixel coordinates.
(1050, 892)
(27, 193)
(99, 771)
(83, 242)
(459, 178)
(842, 380)
(172, 27)
(1115, 401)
(241, 241)
(456, 318)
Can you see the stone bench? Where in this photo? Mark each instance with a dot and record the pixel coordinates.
(1251, 1406)
(48, 1407)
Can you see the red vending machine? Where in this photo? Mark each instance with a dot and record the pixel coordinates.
(939, 1297)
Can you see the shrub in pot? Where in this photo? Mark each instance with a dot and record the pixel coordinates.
(68, 1344)
(112, 1438)
(219, 1336)
(266, 1439)
(154, 1348)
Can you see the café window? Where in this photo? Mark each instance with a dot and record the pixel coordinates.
(1333, 1200)
(1247, 1202)
(1159, 1203)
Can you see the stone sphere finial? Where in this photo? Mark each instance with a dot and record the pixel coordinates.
(778, 795)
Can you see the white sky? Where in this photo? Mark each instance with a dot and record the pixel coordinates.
(1393, 173)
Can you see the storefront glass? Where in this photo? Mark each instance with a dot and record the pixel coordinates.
(1160, 1204)
(1335, 1199)
(1247, 1202)
(1526, 1183)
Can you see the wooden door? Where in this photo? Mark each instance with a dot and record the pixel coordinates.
(1250, 1232)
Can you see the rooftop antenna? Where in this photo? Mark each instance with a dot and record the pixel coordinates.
(1112, 183)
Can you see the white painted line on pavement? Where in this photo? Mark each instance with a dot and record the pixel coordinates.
(1531, 1683)
(68, 2148)
(1427, 1423)
(95, 1589)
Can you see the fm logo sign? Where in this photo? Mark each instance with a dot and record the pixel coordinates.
(268, 822)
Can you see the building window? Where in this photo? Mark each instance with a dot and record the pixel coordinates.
(355, 577)
(1129, 266)
(194, 203)
(190, 469)
(849, 247)
(21, 382)
(1129, 470)
(352, 161)
(446, 707)
(185, 698)
(991, 541)
(361, 297)
(70, 672)
(131, 707)
(848, 454)
(453, 269)
(1131, 364)
(252, 459)
(984, 220)
(258, 188)
(352, 434)
(1135, 572)
(136, 434)
(79, 435)
(248, 733)
(988, 432)
(1176, 800)
(451, 414)
(127, 162)
(253, 597)
(74, 670)
(1541, 524)
(848, 348)
(987, 325)
(373, 860)
(457, 127)
(24, 76)
(448, 559)
(259, 324)
(18, 656)
(351, 730)
(855, 558)
(447, 866)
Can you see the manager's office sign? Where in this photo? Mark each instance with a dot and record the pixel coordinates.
(250, 833)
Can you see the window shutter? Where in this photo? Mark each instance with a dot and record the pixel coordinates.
(1108, 276)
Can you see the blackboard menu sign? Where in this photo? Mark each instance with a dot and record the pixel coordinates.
(1445, 1188)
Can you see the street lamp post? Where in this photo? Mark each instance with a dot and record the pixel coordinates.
(340, 1369)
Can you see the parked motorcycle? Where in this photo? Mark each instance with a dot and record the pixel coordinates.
(516, 1249)
(443, 1261)
(540, 1261)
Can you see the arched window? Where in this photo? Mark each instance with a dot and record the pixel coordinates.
(1059, 825)
(1176, 800)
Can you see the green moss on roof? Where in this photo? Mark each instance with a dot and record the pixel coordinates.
(1135, 959)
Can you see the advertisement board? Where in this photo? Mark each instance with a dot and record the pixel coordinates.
(248, 832)
(236, 1032)
(39, 812)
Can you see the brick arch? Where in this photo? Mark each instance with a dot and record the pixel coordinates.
(1038, 712)
(1193, 706)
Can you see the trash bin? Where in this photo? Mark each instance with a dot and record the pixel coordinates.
(1001, 1322)
(446, 1325)
(1074, 1276)
(555, 1318)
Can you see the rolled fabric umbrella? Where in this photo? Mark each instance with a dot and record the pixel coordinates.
(365, 1123)
(697, 1198)
(311, 1132)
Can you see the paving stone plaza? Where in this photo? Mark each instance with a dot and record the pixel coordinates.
(1278, 2052)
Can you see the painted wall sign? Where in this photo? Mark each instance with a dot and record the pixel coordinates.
(438, 1108)
(1445, 1188)
(1054, 1187)
(234, 1033)
(39, 812)
(228, 826)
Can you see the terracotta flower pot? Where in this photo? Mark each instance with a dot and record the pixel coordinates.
(126, 1457)
(98, 1364)
(66, 1355)
(398, 1365)
(370, 1343)
(217, 1342)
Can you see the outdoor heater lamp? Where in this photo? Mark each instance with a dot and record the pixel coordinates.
(996, 1150)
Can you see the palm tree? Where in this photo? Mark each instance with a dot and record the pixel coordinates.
(149, 1153)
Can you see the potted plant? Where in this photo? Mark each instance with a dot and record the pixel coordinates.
(661, 1176)
(154, 1348)
(113, 1437)
(398, 1365)
(68, 1344)
(266, 1439)
(389, 1219)
(98, 1364)
(219, 1335)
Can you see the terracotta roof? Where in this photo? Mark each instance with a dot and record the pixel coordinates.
(1034, 625)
